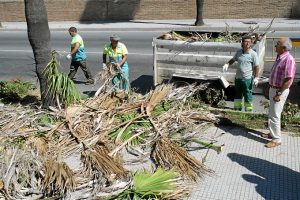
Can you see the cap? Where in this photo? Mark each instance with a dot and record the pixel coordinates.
(115, 37)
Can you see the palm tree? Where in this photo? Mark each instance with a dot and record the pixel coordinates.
(199, 17)
(39, 38)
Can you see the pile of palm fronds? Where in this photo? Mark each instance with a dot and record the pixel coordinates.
(225, 36)
(194, 36)
(81, 151)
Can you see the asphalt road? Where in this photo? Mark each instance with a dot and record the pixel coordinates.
(16, 58)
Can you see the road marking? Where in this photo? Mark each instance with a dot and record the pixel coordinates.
(15, 50)
(65, 53)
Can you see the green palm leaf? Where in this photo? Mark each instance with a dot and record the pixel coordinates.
(150, 186)
(161, 181)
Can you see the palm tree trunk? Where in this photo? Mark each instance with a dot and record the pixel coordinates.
(39, 38)
(199, 18)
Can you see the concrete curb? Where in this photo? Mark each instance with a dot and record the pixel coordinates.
(235, 25)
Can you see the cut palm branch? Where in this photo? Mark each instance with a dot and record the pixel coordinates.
(156, 97)
(168, 155)
(61, 87)
(209, 145)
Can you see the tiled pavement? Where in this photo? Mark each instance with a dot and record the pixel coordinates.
(246, 170)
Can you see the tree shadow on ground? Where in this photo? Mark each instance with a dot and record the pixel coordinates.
(272, 181)
(30, 100)
(233, 128)
(143, 84)
(114, 11)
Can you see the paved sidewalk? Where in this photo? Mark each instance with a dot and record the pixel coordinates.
(246, 170)
(279, 24)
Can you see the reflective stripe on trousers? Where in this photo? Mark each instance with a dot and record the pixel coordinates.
(248, 107)
(238, 104)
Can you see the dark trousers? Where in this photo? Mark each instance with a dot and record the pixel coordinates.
(82, 64)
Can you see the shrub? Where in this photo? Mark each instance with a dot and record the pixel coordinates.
(14, 90)
(288, 113)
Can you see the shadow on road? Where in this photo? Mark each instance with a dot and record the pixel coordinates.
(79, 82)
(89, 93)
(272, 181)
(143, 84)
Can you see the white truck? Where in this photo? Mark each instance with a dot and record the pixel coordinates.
(199, 61)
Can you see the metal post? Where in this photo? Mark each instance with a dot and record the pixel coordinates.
(154, 64)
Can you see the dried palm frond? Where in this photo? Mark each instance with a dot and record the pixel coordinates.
(74, 110)
(168, 155)
(3, 191)
(39, 144)
(201, 116)
(58, 178)
(83, 131)
(157, 96)
(99, 164)
(104, 101)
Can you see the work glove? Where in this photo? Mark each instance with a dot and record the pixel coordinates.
(255, 81)
(104, 67)
(225, 67)
(69, 56)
